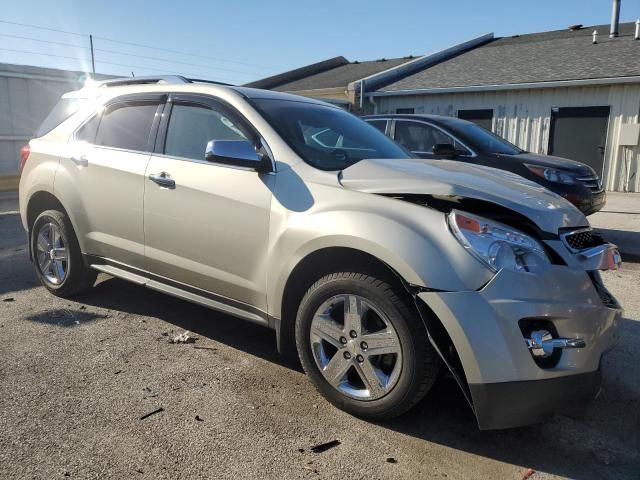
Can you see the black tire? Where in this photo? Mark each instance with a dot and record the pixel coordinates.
(78, 276)
(420, 363)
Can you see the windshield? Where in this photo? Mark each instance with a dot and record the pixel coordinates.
(327, 138)
(483, 139)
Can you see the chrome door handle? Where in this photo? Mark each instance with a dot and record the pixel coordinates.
(81, 161)
(163, 179)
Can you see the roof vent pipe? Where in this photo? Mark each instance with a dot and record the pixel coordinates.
(595, 37)
(637, 35)
(615, 18)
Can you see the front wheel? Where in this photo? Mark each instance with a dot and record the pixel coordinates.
(363, 346)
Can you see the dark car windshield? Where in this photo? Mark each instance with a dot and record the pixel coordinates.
(327, 138)
(482, 139)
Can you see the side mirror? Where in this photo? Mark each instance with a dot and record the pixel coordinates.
(238, 153)
(445, 150)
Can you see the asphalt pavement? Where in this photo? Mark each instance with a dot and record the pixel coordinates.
(92, 388)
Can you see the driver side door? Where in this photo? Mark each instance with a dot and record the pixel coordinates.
(206, 225)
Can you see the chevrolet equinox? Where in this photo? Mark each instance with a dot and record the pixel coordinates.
(294, 214)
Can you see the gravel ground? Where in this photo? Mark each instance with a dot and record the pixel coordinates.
(77, 376)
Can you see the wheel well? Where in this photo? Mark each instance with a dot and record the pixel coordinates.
(339, 259)
(313, 267)
(38, 203)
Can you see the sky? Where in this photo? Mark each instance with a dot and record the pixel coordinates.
(243, 40)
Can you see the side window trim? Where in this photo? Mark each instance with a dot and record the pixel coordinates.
(207, 101)
(472, 153)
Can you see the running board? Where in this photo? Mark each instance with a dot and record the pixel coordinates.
(182, 293)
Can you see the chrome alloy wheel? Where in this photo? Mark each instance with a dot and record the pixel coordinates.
(356, 347)
(52, 253)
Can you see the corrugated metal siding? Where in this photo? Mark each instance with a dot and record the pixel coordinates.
(24, 103)
(523, 117)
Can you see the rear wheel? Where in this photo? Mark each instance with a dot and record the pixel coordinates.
(363, 346)
(57, 255)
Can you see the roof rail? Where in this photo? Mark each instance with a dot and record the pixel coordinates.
(200, 80)
(119, 82)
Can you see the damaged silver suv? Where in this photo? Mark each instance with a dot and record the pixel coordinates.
(377, 268)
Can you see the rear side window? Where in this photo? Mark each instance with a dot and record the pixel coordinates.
(63, 110)
(127, 125)
(379, 124)
(87, 133)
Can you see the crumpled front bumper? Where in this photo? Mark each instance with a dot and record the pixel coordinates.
(507, 387)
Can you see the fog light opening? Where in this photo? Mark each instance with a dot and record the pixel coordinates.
(538, 337)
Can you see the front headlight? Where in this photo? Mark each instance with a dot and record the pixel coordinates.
(497, 245)
(552, 174)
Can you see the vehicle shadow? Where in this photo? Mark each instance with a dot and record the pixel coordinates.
(120, 295)
(599, 444)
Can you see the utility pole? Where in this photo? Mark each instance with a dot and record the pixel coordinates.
(93, 59)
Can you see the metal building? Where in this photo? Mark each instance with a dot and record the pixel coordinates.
(552, 93)
(27, 94)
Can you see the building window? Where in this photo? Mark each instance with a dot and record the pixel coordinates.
(483, 117)
(405, 110)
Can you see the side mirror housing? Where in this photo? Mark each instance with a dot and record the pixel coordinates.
(238, 153)
(445, 150)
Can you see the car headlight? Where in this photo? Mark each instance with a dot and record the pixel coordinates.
(497, 245)
(552, 174)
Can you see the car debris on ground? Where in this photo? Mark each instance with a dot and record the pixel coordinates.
(183, 338)
(148, 393)
(147, 415)
(323, 447)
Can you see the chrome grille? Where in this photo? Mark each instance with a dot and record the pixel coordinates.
(592, 182)
(582, 239)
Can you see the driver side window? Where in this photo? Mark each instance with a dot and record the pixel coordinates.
(192, 126)
(420, 137)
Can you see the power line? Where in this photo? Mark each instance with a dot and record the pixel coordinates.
(43, 28)
(215, 59)
(128, 54)
(43, 41)
(110, 63)
(174, 61)
(179, 52)
(38, 53)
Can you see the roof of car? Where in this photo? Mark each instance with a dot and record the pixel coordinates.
(411, 116)
(98, 89)
(533, 58)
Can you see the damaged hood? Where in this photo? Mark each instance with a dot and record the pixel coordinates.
(451, 178)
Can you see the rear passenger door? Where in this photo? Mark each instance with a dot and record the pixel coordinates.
(420, 138)
(206, 225)
(106, 167)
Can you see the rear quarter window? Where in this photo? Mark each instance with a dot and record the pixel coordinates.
(62, 110)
